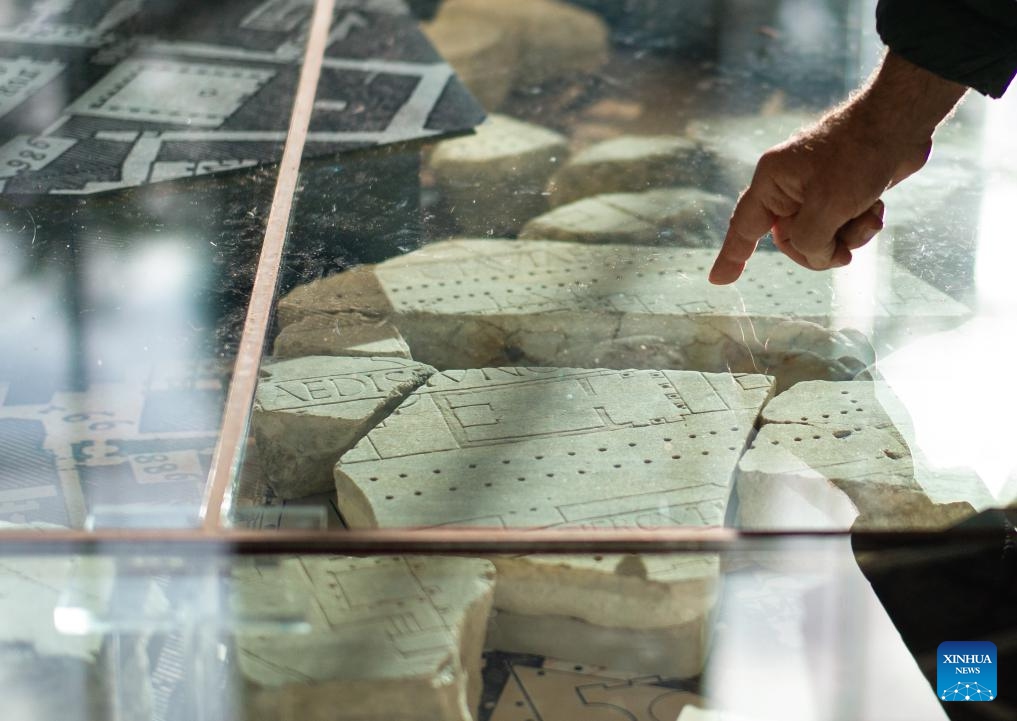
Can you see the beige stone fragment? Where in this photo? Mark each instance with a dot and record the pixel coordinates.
(475, 303)
(836, 456)
(685, 217)
(390, 638)
(629, 164)
(330, 335)
(554, 39)
(493, 181)
(483, 53)
(309, 411)
(545, 447)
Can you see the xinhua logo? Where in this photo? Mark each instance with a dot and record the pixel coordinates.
(966, 671)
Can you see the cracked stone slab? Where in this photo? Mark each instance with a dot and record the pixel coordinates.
(328, 335)
(391, 638)
(309, 411)
(546, 447)
(476, 303)
(629, 164)
(493, 181)
(685, 217)
(836, 456)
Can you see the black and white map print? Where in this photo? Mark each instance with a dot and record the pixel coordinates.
(98, 95)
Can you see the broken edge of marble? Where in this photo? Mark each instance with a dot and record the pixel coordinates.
(391, 638)
(309, 411)
(838, 455)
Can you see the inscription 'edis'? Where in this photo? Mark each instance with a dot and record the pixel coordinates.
(318, 391)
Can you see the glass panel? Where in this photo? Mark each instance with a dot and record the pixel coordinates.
(782, 629)
(519, 331)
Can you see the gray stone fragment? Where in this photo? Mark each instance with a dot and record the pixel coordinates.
(391, 638)
(644, 448)
(328, 335)
(494, 181)
(837, 456)
(685, 217)
(629, 164)
(309, 411)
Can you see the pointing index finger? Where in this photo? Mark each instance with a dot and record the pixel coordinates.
(750, 221)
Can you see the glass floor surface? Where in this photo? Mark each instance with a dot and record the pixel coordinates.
(333, 308)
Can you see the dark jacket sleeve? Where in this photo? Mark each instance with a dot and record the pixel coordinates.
(973, 42)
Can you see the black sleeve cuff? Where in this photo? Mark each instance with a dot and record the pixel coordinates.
(972, 42)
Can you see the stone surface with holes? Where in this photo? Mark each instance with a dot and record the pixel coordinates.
(390, 638)
(330, 335)
(837, 455)
(685, 217)
(545, 447)
(629, 164)
(493, 181)
(309, 411)
(474, 303)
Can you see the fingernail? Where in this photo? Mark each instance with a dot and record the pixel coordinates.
(878, 208)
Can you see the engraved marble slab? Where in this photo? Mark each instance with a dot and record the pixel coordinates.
(391, 638)
(629, 164)
(472, 303)
(837, 455)
(494, 180)
(309, 411)
(686, 217)
(545, 447)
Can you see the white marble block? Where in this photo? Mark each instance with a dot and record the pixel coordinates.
(545, 447)
(475, 303)
(390, 638)
(629, 164)
(685, 217)
(493, 181)
(838, 455)
(309, 411)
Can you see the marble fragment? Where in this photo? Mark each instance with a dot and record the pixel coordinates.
(629, 164)
(685, 217)
(483, 53)
(733, 145)
(390, 638)
(554, 39)
(546, 447)
(329, 335)
(475, 303)
(309, 411)
(493, 181)
(837, 455)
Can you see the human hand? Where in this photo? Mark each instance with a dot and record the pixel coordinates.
(819, 191)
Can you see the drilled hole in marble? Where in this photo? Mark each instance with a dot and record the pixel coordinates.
(841, 434)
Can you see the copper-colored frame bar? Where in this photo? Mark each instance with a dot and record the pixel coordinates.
(226, 458)
(478, 541)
